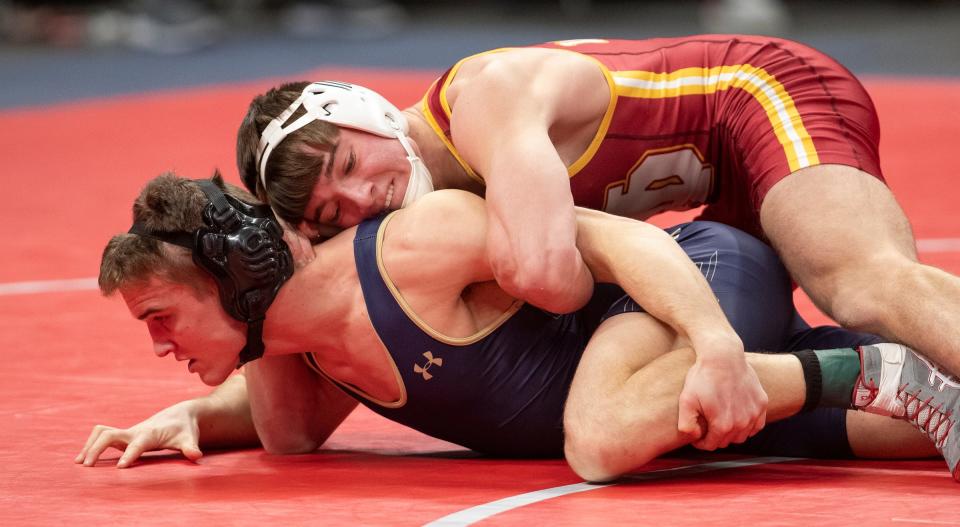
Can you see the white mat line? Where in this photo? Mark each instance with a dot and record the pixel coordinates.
(487, 510)
(925, 522)
(48, 286)
(938, 245)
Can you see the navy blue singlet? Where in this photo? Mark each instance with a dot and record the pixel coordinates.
(502, 391)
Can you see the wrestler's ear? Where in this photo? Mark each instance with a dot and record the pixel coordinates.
(306, 228)
(300, 246)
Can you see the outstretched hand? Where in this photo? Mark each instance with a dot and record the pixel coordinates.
(173, 428)
(722, 402)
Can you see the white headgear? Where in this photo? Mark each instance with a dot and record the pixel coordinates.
(350, 106)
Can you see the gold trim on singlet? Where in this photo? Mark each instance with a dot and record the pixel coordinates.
(625, 181)
(314, 364)
(574, 167)
(310, 358)
(448, 113)
(773, 97)
(432, 121)
(426, 328)
(585, 158)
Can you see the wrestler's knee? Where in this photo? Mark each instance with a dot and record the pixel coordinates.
(592, 456)
(582, 461)
(602, 445)
(583, 442)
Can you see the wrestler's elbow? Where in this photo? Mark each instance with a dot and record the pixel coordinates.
(555, 279)
(288, 444)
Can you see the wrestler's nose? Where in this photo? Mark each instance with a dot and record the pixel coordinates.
(361, 196)
(162, 348)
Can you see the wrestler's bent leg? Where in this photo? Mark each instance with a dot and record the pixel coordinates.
(835, 432)
(620, 415)
(849, 245)
(621, 412)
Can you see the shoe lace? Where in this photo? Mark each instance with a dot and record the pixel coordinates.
(933, 421)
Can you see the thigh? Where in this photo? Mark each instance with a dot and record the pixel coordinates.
(820, 433)
(621, 345)
(830, 223)
(621, 410)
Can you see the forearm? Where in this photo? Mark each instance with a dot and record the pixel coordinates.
(294, 410)
(223, 417)
(532, 248)
(652, 268)
(551, 277)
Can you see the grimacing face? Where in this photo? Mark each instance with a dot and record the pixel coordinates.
(189, 325)
(363, 176)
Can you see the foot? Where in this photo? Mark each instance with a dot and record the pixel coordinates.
(896, 382)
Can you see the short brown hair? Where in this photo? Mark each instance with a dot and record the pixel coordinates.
(294, 165)
(167, 203)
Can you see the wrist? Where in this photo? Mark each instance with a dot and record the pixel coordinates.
(722, 346)
(195, 408)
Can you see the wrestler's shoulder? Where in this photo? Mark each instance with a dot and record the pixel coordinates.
(444, 200)
(506, 64)
(438, 212)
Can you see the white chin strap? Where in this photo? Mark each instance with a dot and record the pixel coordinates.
(419, 184)
(350, 106)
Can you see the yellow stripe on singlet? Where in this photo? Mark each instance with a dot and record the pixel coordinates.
(775, 100)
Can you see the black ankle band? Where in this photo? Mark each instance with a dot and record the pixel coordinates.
(812, 377)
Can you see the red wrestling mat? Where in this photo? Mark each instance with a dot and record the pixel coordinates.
(72, 359)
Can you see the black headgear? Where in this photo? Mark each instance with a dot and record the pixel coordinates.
(242, 247)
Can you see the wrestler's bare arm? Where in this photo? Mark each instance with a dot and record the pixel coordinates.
(642, 259)
(278, 398)
(218, 420)
(652, 268)
(639, 257)
(655, 271)
(505, 121)
(294, 409)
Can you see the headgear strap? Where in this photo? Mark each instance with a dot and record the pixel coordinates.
(242, 247)
(351, 106)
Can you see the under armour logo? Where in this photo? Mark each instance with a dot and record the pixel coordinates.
(431, 360)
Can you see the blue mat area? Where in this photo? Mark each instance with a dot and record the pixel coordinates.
(900, 38)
